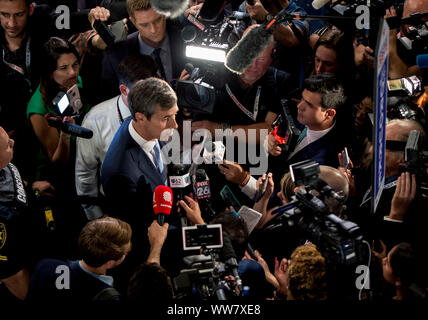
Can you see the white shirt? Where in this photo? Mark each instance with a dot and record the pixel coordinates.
(147, 146)
(104, 121)
(311, 136)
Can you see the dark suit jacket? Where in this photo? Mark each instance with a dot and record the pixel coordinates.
(130, 46)
(83, 286)
(128, 174)
(324, 151)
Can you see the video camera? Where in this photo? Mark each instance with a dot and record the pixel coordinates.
(401, 96)
(203, 277)
(417, 160)
(208, 37)
(339, 241)
(68, 104)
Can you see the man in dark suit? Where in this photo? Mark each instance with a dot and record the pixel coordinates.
(155, 37)
(320, 112)
(133, 165)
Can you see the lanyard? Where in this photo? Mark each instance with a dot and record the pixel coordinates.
(27, 63)
(118, 111)
(253, 116)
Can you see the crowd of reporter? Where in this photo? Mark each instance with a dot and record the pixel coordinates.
(76, 223)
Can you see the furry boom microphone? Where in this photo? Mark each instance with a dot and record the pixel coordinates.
(242, 55)
(170, 8)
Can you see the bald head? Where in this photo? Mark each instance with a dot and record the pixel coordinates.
(260, 65)
(414, 6)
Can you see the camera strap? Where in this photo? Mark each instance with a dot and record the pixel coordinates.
(251, 115)
(27, 63)
(119, 114)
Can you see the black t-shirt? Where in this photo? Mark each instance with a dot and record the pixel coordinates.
(274, 85)
(11, 232)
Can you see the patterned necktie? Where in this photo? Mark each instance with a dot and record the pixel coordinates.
(157, 157)
(301, 136)
(161, 70)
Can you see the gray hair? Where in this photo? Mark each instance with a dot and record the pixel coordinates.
(148, 93)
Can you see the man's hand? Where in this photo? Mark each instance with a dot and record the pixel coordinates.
(379, 255)
(193, 212)
(98, 13)
(205, 124)
(273, 147)
(269, 276)
(192, 10)
(184, 75)
(405, 193)
(364, 55)
(281, 275)
(257, 11)
(44, 187)
(232, 171)
(348, 174)
(157, 234)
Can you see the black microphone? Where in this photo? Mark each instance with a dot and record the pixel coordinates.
(229, 255)
(192, 71)
(70, 128)
(170, 8)
(248, 48)
(203, 193)
(180, 183)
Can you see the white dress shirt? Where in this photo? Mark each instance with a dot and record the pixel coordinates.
(104, 120)
(147, 146)
(311, 136)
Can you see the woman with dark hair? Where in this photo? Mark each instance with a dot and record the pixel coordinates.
(402, 268)
(60, 73)
(334, 53)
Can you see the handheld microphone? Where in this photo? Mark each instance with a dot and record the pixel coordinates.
(213, 152)
(192, 71)
(318, 4)
(422, 60)
(170, 8)
(70, 128)
(180, 183)
(162, 202)
(229, 256)
(248, 48)
(203, 193)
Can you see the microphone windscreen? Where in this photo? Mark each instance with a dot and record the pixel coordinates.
(170, 8)
(422, 61)
(248, 48)
(189, 68)
(318, 4)
(162, 200)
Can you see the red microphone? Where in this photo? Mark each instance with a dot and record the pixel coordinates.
(162, 202)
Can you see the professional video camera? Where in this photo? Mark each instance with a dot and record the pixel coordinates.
(339, 241)
(203, 278)
(401, 96)
(208, 37)
(377, 9)
(417, 160)
(68, 104)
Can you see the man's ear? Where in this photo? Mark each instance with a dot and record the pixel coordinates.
(140, 116)
(330, 113)
(133, 20)
(124, 90)
(31, 9)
